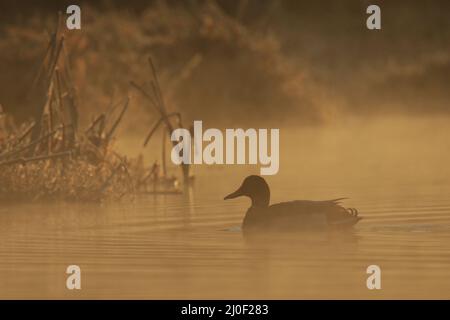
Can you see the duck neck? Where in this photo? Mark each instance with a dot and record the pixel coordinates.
(261, 201)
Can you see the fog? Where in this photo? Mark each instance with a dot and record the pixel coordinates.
(242, 62)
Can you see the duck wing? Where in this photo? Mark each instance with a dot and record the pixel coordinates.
(328, 211)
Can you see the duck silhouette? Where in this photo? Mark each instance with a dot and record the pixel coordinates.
(290, 216)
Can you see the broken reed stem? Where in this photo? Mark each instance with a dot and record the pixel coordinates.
(147, 176)
(162, 112)
(111, 109)
(156, 86)
(156, 126)
(144, 93)
(119, 119)
(71, 108)
(42, 64)
(25, 134)
(50, 116)
(68, 71)
(163, 154)
(24, 160)
(30, 145)
(158, 98)
(59, 94)
(55, 60)
(48, 83)
(72, 101)
(161, 108)
(97, 120)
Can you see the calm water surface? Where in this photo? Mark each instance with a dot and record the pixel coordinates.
(190, 246)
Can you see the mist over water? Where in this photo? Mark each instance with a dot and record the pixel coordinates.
(190, 246)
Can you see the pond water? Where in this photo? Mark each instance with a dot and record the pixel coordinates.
(190, 245)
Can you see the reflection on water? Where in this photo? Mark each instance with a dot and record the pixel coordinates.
(190, 246)
(174, 247)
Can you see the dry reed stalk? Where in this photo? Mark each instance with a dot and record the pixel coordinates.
(157, 101)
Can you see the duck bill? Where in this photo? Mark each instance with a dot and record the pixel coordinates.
(235, 194)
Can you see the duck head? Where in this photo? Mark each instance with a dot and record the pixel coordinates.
(254, 187)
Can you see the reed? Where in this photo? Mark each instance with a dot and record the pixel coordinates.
(155, 97)
(48, 158)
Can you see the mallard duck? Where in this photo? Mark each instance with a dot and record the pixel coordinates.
(290, 216)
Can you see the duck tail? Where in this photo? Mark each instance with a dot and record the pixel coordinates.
(353, 213)
(348, 219)
(337, 200)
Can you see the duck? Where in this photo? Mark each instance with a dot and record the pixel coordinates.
(290, 216)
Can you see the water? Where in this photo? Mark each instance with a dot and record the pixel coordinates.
(190, 245)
